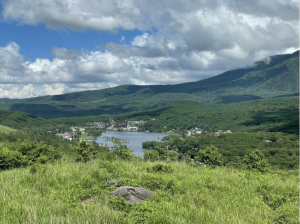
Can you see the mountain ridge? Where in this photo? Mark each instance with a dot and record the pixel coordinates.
(277, 76)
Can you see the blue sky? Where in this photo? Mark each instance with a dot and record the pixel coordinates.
(52, 47)
(38, 41)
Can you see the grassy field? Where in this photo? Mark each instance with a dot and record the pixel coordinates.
(77, 193)
(4, 129)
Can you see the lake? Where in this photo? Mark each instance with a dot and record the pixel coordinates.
(134, 139)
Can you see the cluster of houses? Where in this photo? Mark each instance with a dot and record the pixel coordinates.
(118, 125)
(124, 125)
(219, 132)
(195, 131)
(66, 135)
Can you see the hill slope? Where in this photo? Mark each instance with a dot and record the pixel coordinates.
(4, 129)
(19, 120)
(278, 77)
(77, 193)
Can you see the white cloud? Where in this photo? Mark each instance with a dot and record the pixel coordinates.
(140, 41)
(181, 41)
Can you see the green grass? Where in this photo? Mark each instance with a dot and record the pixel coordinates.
(4, 129)
(76, 193)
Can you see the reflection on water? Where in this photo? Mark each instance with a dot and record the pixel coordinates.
(133, 140)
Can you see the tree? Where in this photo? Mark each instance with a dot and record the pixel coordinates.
(85, 152)
(121, 150)
(256, 160)
(210, 156)
(151, 155)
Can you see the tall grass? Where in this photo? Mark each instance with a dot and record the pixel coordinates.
(77, 193)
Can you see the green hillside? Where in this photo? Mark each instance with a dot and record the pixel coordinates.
(77, 193)
(4, 129)
(270, 115)
(277, 114)
(279, 77)
(19, 120)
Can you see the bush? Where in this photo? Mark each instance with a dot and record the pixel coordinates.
(118, 203)
(85, 152)
(210, 156)
(141, 213)
(154, 183)
(35, 152)
(151, 156)
(160, 168)
(256, 160)
(123, 152)
(156, 154)
(11, 159)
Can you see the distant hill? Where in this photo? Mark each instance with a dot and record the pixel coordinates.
(10, 120)
(276, 77)
(271, 115)
(4, 129)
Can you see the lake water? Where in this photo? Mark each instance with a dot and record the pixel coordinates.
(134, 139)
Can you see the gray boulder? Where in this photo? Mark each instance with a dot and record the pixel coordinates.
(132, 195)
(112, 183)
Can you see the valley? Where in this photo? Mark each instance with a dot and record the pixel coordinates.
(229, 152)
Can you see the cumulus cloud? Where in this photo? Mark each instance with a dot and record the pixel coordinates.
(20, 91)
(128, 14)
(181, 41)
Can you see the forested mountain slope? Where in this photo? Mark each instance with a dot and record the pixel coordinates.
(278, 76)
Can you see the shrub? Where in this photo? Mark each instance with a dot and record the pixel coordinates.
(37, 168)
(118, 203)
(85, 152)
(35, 152)
(11, 159)
(156, 154)
(151, 156)
(174, 156)
(160, 168)
(141, 213)
(210, 156)
(127, 182)
(256, 160)
(123, 152)
(154, 183)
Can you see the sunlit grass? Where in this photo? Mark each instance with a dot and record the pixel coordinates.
(76, 193)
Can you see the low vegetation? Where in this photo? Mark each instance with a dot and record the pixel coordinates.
(183, 193)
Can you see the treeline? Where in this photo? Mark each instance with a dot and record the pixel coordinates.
(20, 149)
(281, 150)
(270, 115)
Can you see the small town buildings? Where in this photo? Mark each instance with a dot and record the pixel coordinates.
(133, 129)
(133, 123)
(121, 124)
(66, 136)
(97, 125)
(219, 132)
